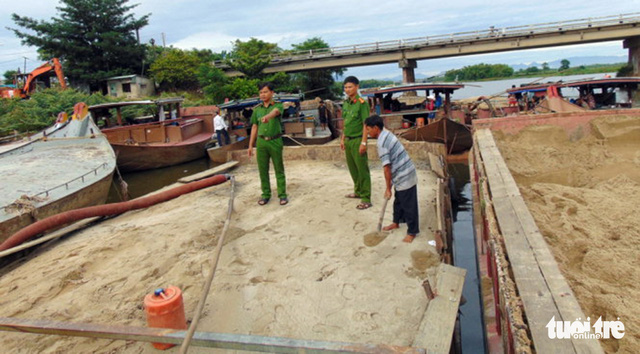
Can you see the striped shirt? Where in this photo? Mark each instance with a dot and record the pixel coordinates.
(391, 151)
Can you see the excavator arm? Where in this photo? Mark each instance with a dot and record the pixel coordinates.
(51, 65)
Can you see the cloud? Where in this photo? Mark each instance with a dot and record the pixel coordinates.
(214, 24)
(218, 41)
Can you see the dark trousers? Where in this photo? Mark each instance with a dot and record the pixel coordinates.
(219, 134)
(405, 209)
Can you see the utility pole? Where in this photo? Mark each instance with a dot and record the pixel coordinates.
(164, 44)
(25, 65)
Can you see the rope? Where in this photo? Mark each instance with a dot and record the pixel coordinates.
(207, 287)
(292, 139)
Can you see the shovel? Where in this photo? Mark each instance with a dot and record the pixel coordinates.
(384, 207)
(374, 238)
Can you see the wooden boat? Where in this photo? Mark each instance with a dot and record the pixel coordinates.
(294, 127)
(67, 166)
(456, 137)
(219, 154)
(318, 137)
(603, 93)
(402, 103)
(156, 140)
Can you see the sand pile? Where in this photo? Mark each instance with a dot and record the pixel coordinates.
(585, 198)
(301, 271)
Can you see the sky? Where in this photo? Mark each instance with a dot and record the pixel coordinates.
(215, 24)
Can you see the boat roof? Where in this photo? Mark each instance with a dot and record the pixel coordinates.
(133, 103)
(531, 88)
(412, 87)
(617, 81)
(253, 101)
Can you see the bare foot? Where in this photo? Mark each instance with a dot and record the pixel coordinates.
(390, 227)
(408, 238)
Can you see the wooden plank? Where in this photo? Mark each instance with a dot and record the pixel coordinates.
(536, 297)
(563, 296)
(56, 234)
(210, 172)
(436, 329)
(527, 249)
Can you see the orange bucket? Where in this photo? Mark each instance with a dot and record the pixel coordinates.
(420, 122)
(165, 309)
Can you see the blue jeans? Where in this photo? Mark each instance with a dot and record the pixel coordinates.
(219, 134)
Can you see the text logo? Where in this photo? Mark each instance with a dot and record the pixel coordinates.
(583, 329)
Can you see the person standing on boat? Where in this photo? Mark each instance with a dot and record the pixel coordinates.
(355, 110)
(431, 107)
(400, 172)
(322, 115)
(267, 129)
(221, 129)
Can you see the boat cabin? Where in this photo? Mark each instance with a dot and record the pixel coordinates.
(148, 122)
(402, 106)
(239, 112)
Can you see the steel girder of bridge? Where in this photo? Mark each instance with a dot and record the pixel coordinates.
(457, 44)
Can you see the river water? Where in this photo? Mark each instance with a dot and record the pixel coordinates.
(143, 182)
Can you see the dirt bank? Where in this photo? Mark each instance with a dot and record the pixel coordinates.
(301, 271)
(585, 198)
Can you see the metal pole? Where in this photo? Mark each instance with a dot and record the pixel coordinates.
(201, 339)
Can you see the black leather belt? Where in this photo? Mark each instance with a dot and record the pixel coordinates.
(267, 138)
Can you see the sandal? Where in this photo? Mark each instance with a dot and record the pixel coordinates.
(351, 195)
(363, 206)
(263, 201)
(284, 201)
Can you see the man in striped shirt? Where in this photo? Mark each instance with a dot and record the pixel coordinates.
(399, 171)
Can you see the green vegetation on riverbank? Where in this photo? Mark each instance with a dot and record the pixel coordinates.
(41, 110)
(482, 72)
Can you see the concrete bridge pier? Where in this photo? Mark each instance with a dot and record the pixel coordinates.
(408, 74)
(633, 44)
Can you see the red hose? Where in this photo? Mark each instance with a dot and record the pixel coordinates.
(104, 210)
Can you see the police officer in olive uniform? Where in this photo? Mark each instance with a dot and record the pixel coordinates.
(355, 110)
(267, 130)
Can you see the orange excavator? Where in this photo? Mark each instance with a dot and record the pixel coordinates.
(30, 83)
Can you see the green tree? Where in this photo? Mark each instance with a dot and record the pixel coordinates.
(545, 66)
(316, 82)
(479, 72)
(9, 75)
(93, 39)
(251, 57)
(176, 69)
(532, 70)
(564, 64)
(212, 80)
(625, 70)
(241, 88)
(282, 82)
(374, 83)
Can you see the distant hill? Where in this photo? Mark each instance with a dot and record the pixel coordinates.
(576, 61)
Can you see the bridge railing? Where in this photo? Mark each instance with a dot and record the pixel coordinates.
(458, 37)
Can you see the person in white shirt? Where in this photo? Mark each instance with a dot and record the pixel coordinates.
(221, 129)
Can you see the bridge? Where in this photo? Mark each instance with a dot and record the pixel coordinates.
(406, 52)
